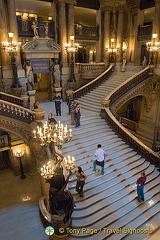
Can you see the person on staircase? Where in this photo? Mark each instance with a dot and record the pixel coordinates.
(57, 99)
(78, 115)
(100, 155)
(72, 112)
(81, 177)
(140, 186)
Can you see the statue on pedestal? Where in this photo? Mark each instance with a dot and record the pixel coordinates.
(35, 28)
(30, 77)
(61, 200)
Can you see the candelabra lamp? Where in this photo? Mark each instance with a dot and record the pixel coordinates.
(153, 47)
(12, 48)
(55, 135)
(19, 154)
(71, 48)
(112, 50)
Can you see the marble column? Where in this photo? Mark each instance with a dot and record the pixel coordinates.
(54, 18)
(70, 22)
(12, 19)
(99, 42)
(106, 37)
(62, 30)
(120, 34)
(6, 67)
(156, 29)
(137, 44)
(70, 25)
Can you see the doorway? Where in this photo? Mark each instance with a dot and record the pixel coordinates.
(4, 160)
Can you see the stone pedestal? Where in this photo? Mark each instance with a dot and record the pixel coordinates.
(32, 97)
(69, 93)
(58, 90)
(44, 186)
(25, 100)
(104, 103)
(39, 115)
(16, 91)
(59, 225)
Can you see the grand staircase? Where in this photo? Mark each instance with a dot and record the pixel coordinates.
(109, 204)
(92, 101)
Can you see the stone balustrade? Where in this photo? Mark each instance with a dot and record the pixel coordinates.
(12, 99)
(83, 67)
(16, 111)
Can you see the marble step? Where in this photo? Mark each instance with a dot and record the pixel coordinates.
(151, 223)
(125, 214)
(111, 195)
(88, 139)
(114, 166)
(107, 138)
(116, 182)
(112, 205)
(140, 214)
(116, 155)
(84, 145)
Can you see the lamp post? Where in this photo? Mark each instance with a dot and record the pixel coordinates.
(19, 154)
(112, 50)
(72, 48)
(153, 48)
(12, 48)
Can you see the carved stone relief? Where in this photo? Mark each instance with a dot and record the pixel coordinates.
(24, 132)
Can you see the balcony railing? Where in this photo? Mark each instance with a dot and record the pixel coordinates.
(91, 67)
(86, 32)
(144, 32)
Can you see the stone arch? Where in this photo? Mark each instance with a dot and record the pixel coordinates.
(146, 90)
(24, 132)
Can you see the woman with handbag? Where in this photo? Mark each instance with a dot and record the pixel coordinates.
(80, 180)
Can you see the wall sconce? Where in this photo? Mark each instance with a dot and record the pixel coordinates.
(12, 48)
(153, 47)
(19, 154)
(124, 47)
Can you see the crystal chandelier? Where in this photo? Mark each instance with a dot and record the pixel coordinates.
(58, 134)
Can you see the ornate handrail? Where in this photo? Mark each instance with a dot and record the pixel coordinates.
(130, 83)
(16, 111)
(136, 144)
(94, 83)
(12, 99)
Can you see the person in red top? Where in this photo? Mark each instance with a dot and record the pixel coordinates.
(140, 186)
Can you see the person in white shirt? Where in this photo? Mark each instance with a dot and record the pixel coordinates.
(100, 155)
